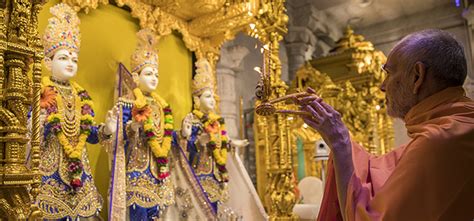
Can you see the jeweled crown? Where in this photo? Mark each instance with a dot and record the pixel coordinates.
(203, 79)
(62, 31)
(146, 53)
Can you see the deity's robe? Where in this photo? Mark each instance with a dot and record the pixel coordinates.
(430, 178)
(200, 190)
(57, 199)
(135, 181)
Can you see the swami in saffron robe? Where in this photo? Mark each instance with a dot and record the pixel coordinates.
(430, 178)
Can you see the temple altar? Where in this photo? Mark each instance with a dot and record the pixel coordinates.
(190, 115)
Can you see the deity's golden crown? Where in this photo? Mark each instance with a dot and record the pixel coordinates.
(203, 78)
(146, 53)
(62, 31)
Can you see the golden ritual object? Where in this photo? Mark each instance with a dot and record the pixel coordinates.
(272, 137)
(20, 51)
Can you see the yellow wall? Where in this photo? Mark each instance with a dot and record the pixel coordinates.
(108, 37)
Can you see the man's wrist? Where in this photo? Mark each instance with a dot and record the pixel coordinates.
(342, 146)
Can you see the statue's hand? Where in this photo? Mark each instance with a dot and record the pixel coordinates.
(239, 143)
(186, 128)
(134, 125)
(204, 138)
(111, 121)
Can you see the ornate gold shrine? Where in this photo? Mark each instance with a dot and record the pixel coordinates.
(204, 24)
(349, 79)
(20, 72)
(272, 131)
(356, 68)
(307, 76)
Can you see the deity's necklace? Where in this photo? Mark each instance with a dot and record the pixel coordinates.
(156, 114)
(71, 122)
(65, 118)
(214, 125)
(159, 137)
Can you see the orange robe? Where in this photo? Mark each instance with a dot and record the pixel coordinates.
(430, 178)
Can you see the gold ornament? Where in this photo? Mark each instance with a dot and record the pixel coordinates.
(146, 53)
(203, 79)
(62, 31)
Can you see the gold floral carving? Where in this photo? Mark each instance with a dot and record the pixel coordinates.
(350, 83)
(204, 24)
(355, 68)
(351, 87)
(86, 5)
(273, 135)
(20, 53)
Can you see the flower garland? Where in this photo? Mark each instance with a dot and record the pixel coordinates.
(141, 112)
(214, 125)
(52, 103)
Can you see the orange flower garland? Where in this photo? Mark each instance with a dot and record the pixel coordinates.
(214, 125)
(52, 103)
(141, 112)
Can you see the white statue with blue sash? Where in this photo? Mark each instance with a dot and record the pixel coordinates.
(141, 187)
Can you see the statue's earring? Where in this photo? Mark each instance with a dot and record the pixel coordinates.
(196, 103)
(48, 63)
(135, 77)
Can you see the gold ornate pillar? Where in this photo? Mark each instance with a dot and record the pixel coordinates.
(355, 67)
(273, 132)
(308, 76)
(20, 46)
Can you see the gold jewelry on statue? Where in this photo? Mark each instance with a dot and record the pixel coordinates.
(146, 53)
(62, 31)
(70, 123)
(73, 145)
(203, 78)
(60, 82)
(214, 125)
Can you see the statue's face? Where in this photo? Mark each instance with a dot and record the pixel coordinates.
(207, 101)
(63, 65)
(148, 79)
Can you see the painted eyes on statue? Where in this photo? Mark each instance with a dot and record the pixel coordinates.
(64, 58)
(149, 74)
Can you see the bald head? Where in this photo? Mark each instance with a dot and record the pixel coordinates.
(420, 65)
(442, 54)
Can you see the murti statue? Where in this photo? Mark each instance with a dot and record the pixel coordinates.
(141, 145)
(67, 190)
(204, 142)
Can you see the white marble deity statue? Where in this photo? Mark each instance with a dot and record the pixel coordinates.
(141, 188)
(67, 191)
(204, 145)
